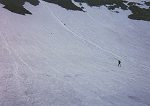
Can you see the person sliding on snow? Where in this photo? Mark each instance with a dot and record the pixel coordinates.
(119, 63)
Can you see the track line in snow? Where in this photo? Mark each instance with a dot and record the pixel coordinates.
(11, 51)
(15, 56)
(17, 78)
(23, 84)
(83, 39)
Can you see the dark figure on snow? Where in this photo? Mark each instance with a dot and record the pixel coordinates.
(119, 63)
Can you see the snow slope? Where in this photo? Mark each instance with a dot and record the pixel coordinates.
(57, 57)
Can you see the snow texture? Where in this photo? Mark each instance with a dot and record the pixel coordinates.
(57, 57)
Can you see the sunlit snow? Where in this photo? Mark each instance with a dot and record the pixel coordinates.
(57, 57)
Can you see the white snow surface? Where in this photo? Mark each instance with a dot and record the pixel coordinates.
(57, 57)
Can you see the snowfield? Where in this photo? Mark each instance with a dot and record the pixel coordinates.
(57, 57)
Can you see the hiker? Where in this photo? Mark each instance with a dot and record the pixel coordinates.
(119, 63)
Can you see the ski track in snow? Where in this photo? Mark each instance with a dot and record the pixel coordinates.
(11, 51)
(26, 85)
(115, 56)
(85, 40)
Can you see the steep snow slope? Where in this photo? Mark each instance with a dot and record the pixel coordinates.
(57, 57)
